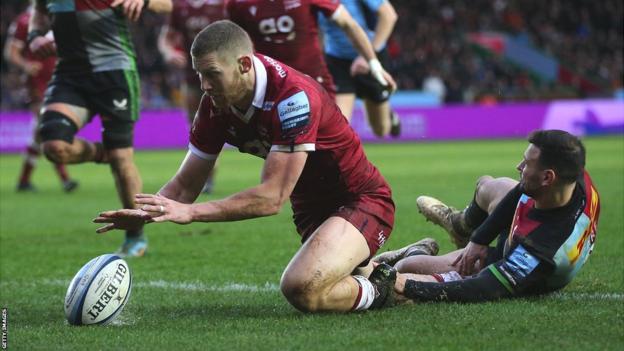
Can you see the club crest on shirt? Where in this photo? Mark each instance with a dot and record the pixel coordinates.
(294, 112)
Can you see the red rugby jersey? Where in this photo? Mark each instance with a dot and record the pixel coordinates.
(289, 113)
(19, 31)
(288, 31)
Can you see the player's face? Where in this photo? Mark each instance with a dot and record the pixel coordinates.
(531, 174)
(220, 80)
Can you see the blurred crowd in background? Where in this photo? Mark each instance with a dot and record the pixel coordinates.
(429, 51)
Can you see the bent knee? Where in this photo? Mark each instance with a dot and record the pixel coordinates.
(56, 151)
(301, 295)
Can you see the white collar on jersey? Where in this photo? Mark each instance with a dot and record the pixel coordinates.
(259, 92)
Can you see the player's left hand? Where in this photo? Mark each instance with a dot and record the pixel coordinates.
(131, 8)
(162, 209)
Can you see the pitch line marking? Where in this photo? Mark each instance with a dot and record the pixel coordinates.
(272, 287)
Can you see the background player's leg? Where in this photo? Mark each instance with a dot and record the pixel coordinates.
(345, 102)
(318, 278)
(378, 114)
(62, 151)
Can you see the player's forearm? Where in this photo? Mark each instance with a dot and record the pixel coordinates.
(160, 6)
(355, 33)
(13, 55)
(251, 203)
(480, 288)
(500, 219)
(386, 19)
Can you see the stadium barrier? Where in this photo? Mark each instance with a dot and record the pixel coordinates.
(168, 129)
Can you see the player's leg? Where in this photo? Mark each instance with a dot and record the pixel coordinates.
(459, 224)
(318, 278)
(426, 264)
(378, 115)
(340, 71)
(345, 103)
(117, 101)
(382, 119)
(31, 155)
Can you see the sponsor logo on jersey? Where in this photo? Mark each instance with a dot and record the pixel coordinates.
(121, 105)
(268, 105)
(519, 264)
(276, 65)
(294, 112)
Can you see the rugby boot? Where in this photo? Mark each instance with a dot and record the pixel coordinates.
(395, 124)
(25, 188)
(133, 247)
(426, 246)
(447, 217)
(383, 278)
(70, 185)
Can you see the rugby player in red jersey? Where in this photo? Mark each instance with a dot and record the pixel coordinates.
(288, 31)
(38, 71)
(342, 206)
(187, 18)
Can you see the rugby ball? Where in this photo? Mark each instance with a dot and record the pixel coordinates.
(99, 291)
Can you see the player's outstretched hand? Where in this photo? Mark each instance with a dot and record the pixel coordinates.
(131, 8)
(162, 209)
(472, 259)
(42, 47)
(125, 219)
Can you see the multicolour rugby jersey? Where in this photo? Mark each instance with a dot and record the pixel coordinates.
(288, 31)
(90, 36)
(291, 112)
(559, 239)
(543, 251)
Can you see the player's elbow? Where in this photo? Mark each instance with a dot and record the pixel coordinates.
(272, 206)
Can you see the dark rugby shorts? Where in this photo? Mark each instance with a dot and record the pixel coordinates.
(365, 86)
(114, 95)
(373, 216)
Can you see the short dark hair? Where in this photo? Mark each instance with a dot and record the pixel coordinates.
(222, 37)
(560, 151)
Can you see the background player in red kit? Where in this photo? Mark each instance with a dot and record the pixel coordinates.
(187, 18)
(288, 31)
(342, 206)
(38, 73)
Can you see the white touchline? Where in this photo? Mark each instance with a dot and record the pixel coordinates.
(272, 287)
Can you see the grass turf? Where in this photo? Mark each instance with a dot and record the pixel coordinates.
(214, 286)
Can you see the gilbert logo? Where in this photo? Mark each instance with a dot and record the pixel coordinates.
(120, 104)
(109, 293)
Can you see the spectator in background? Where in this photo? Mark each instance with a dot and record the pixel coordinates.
(38, 72)
(188, 18)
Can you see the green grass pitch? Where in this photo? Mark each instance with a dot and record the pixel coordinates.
(214, 286)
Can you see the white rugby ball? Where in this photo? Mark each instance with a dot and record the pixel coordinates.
(99, 291)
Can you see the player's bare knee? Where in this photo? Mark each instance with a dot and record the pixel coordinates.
(56, 151)
(301, 293)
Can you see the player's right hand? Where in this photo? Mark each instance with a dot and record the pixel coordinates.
(472, 259)
(125, 219)
(131, 8)
(42, 47)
